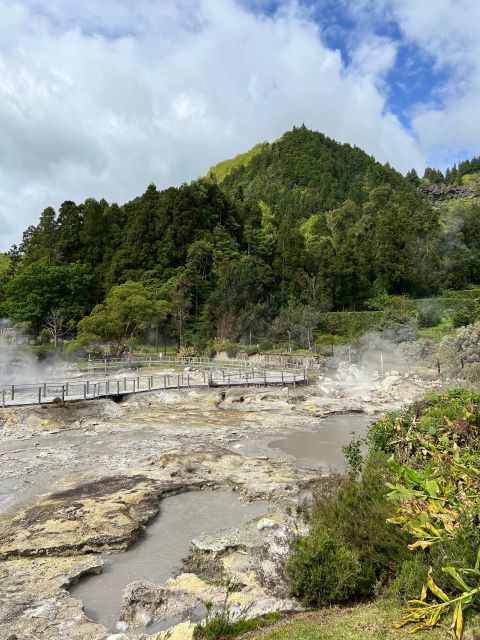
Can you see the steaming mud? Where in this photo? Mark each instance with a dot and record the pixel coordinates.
(266, 444)
(156, 556)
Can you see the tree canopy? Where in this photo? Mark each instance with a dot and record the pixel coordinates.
(304, 221)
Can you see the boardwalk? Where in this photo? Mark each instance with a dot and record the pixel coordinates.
(53, 392)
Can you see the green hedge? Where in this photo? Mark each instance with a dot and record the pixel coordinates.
(447, 304)
(350, 323)
(469, 294)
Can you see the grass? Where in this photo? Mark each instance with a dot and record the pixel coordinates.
(372, 621)
(436, 333)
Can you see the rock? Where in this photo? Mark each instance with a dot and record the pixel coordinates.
(140, 601)
(266, 523)
(182, 631)
(104, 514)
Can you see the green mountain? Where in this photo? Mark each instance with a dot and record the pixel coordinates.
(305, 173)
(266, 241)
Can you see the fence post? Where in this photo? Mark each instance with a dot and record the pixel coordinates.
(107, 388)
(178, 382)
(84, 391)
(164, 382)
(44, 389)
(39, 395)
(265, 375)
(66, 389)
(138, 383)
(282, 377)
(118, 387)
(63, 393)
(134, 385)
(246, 374)
(3, 398)
(13, 392)
(294, 381)
(125, 383)
(149, 383)
(188, 380)
(88, 386)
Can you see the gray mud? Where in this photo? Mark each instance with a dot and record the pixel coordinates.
(157, 555)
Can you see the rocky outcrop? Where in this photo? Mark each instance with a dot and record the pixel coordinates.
(102, 515)
(446, 192)
(34, 603)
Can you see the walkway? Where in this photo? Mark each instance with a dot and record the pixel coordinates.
(55, 392)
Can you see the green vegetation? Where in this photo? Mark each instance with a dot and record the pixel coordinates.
(372, 621)
(222, 169)
(4, 264)
(406, 528)
(350, 549)
(128, 309)
(436, 333)
(225, 622)
(352, 324)
(258, 253)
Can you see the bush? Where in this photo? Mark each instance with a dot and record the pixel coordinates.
(398, 328)
(232, 350)
(350, 548)
(322, 570)
(350, 323)
(462, 318)
(227, 623)
(429, 314)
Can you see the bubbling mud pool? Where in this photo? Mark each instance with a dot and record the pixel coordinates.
(158, 554)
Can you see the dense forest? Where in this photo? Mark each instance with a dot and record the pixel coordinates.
(296, 227)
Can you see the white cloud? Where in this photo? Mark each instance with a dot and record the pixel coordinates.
(99, 99)
(448, 31)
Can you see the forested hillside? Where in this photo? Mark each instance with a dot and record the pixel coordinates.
(296, 227)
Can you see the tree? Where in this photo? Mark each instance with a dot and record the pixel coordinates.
(180, 304)
(55, 325)
(39, 287)
(297, 322)
(128, 310)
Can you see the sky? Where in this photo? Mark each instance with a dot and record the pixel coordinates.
(99, 99)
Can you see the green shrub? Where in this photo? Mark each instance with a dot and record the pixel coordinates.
(227, 623)
(232, 350)
(429, 314)
(350, 548)
(466, 294)
(322, 570)
(349, 323)
(463, 317)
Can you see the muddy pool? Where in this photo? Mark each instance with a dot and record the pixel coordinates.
(158, 554)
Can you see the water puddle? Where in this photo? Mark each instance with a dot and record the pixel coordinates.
(322, 448)
(157, 555)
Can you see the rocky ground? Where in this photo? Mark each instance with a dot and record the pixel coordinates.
(80, 480)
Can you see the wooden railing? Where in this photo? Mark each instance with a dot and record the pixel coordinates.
(51, 392)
